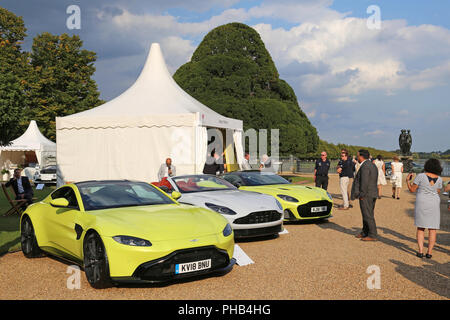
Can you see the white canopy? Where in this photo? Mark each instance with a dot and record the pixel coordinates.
(130, 136)
(31, 140)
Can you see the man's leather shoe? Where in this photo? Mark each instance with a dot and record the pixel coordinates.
(368, 239)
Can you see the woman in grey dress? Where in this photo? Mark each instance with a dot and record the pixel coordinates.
(427, 211)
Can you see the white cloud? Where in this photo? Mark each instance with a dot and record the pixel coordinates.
(374, 133)
(396, 57)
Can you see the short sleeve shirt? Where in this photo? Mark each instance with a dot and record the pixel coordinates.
(348, 168)
(322, 167)
(424, 185)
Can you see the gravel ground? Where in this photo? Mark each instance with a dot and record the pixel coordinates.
(313, 261)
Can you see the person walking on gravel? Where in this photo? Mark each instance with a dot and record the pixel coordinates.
(396, 177)
(427, 213)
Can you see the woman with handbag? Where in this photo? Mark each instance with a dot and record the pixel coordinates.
(396, 177)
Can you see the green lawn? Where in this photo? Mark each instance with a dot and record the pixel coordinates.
(9, 226)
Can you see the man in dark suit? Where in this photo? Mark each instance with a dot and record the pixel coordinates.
(214, 164)
(365, 189)
(21, 186)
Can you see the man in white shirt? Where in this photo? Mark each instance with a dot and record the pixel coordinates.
(246, 163)
(167, 170)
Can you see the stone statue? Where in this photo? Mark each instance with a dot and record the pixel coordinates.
(405, 142)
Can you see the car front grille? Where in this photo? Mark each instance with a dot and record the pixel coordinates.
(163, 269)
(259, 217)
(304, 210)
(257, 232)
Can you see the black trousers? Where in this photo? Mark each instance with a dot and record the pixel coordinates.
(367, 206)
(322, 182)
(27, 196)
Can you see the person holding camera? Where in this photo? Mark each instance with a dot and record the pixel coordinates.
(346, 170)
(427, 213)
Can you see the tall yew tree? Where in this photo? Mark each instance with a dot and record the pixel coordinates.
(14, 73)
(232, 72)
(61, 79)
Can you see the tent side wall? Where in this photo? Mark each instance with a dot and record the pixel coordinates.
(121, 149)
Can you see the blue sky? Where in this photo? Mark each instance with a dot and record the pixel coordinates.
(358, 85)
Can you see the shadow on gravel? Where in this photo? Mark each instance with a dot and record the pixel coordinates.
(309, 221)
(333, 226)
(442, 239)
(432, 276)
(172, 282)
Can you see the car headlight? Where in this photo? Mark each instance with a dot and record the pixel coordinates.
(220, 209)
(329, 196)
(132, 241)
(227, 230)
(287, 198)
(279, 204)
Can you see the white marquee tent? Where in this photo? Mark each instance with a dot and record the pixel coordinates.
(31, 145)
(130, 136)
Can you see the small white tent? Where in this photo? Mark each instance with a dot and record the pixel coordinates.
(130, 136)
(32, 146)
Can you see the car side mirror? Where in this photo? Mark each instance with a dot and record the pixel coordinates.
(237, 184)
(59, 203)
(175, 195)
(290, 180)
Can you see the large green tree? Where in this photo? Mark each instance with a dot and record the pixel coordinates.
(232, 72)
(14, 72)
(61, 79)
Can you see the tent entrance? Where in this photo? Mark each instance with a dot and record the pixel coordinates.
(222, 141)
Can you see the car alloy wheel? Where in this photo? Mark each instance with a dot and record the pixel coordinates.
(96, 262)
(28, 240)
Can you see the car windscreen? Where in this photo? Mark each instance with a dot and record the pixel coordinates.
(106, 195)
(50, 169)
(201, 183)
(262, 178)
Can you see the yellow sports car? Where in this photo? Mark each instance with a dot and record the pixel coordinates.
(298, 202)
(124, 231)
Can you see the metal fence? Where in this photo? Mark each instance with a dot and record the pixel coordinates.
(296, 165)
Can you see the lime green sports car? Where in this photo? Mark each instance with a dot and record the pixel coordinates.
(298, 202)
(124, 231)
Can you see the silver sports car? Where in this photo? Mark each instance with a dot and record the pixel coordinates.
(250, 214)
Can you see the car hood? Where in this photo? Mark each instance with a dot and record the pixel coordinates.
(302, 193)
(159, 222)
(242, 202)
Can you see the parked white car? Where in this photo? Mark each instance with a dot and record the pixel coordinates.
(45, 175)
(250, 214)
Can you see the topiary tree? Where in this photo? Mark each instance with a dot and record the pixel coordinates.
(232, 72)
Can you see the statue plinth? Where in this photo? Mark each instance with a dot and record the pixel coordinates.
(407, 163)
